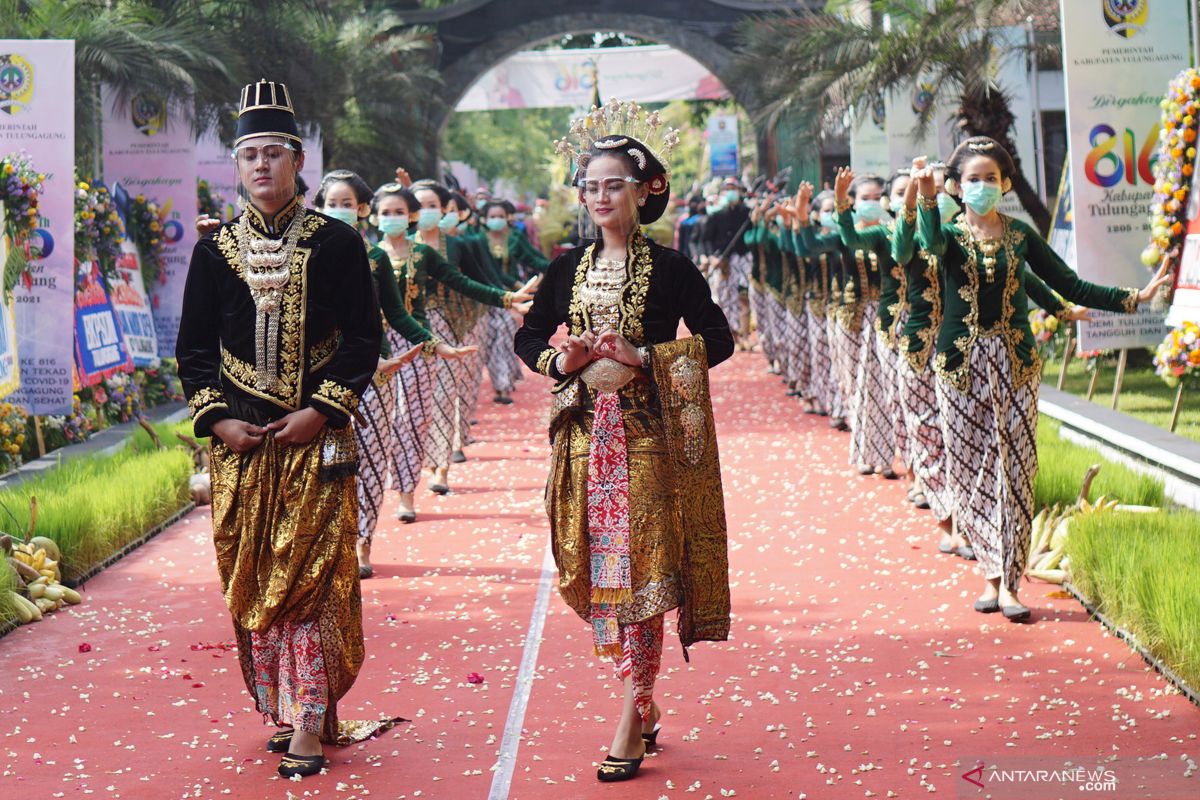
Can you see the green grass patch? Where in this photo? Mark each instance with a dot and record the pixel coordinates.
(93, 507)
(8, 584)
(1140, 570)
(1062, 465)
(1143, 394)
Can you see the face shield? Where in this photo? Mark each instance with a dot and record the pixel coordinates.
(266, 169)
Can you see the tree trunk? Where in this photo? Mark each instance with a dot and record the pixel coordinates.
(988, 114)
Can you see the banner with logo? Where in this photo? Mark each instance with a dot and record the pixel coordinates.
(99, 346)
(1118, 57)
(215, 167)
(869, 141)
(132, 305)
(553, 78)
(37, 115)
(723, 145)
(149, 150)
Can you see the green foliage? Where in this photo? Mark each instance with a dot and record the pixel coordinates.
(1062, 465)
(1140, 570)
(92, 507)
(514, 145)
(8, 584)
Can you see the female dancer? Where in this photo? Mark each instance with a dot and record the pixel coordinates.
(987, 368)
(344, 196)
(634, 459)
(421, 272)
(822, 270)
(510, 254)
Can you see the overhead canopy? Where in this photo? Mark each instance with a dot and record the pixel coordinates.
(552, 78)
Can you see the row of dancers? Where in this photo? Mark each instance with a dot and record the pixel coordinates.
(898, 308)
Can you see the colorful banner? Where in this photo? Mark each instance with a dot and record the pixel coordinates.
(99, 346)
(132, 305)
(723, 144)
(149, 149)
(554, 78)
(869, 141)
(1118, 59)
(37, 115)
(1062, 226)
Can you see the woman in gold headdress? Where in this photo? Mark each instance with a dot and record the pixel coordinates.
(632, 422)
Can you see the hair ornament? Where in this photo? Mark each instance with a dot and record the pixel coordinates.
(625, 120)
(638, 156)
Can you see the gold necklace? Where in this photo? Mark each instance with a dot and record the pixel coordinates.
(988, 247)
(268, 265)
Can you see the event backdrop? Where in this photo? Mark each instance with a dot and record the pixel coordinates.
(37, 115)
(1117, 64)
(149, 150)
(552, 78)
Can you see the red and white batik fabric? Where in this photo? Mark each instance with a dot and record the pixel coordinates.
(799, 371)
(990, 431)
(873, 435)
(290, 684)
(823, 385)
(927, 452)
(608, 522)
(502, 365)
(641, 658)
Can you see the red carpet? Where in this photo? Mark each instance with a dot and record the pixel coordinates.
(856, 667)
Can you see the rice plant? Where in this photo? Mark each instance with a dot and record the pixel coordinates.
(1140, 570)
(1062, 465)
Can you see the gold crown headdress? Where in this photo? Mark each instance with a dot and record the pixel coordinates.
(626, 120)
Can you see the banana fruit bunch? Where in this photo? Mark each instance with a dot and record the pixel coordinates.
(1051, 528)
(36, 565)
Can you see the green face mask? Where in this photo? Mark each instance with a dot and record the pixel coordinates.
(346, 215)
(731, 197)
(496, 224)
(393, 226)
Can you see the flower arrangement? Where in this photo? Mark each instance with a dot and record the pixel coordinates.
(159, 384)
(1047, 333)
(20, 187)
(122, 401)
(1178, 357)
(1091, 358)
(144, 226)
(12, 436)
(211, 203)
(1175, 166)
(98, 229)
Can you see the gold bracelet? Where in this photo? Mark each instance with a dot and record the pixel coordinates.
(927, 203)
(508, 300)
(844, 205)
(909, 215)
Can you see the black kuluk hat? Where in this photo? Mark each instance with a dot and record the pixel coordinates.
(266, 110)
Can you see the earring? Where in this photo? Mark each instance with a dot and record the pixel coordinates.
(641, 201)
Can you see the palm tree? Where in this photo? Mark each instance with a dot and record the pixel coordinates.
(819, 65)
(127, 46)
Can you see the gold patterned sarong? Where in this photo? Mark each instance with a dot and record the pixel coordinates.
(284, 527)
(678, 555)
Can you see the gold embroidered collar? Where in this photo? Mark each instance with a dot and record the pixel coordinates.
(273, 224)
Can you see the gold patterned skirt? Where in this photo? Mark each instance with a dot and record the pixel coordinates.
(655, 517)
(284, 528)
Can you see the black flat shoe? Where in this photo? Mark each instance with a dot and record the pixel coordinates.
(890, 474)
(303, 766)
(504, 401)
(439, 488)
(921, 502)
(458, 457)
(945, 549)
(987, 606)
(965, 552)
(280, 741)
(365, 572)
(1017, 613)
(406, 516)
(651, 739)
(866, 470)
(616, 769)
(837, 423)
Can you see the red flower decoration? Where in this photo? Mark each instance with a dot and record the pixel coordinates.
(658, 184)
(85, 648)
(474, 677)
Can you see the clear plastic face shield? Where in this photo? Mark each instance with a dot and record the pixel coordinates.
(608, 196)
(267, 169)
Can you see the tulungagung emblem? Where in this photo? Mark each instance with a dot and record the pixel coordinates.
(1126, 17)
(16, 83)
(148, 113)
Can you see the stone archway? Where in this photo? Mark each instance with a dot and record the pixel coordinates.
(472, 36)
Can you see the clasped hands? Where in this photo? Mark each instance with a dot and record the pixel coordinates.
(579, 351)
(299, 427)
